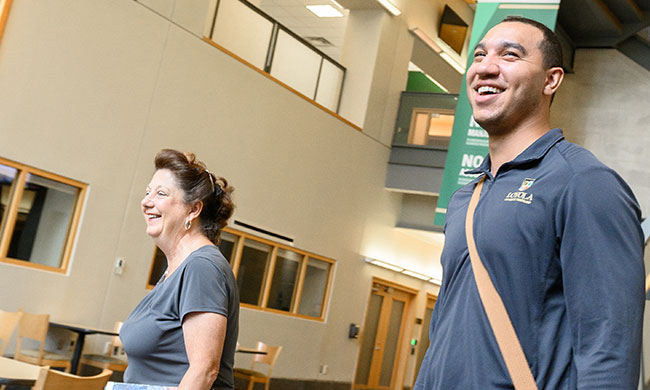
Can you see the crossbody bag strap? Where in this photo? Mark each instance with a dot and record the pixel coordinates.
(504, 332)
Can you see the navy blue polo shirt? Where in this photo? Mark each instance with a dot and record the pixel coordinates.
(559, 233)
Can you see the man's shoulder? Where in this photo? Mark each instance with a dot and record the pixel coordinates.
(578, 160)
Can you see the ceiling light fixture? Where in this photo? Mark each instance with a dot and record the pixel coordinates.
(324, 11)
(390, 7)
(337, 4)
(404, 271)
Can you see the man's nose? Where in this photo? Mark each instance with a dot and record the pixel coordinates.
(486, 67)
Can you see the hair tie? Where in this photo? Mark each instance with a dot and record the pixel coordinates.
(211, 180)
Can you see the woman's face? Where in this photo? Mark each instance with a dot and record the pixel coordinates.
(163, 207)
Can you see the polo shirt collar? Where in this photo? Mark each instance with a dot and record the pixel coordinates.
(534, 152)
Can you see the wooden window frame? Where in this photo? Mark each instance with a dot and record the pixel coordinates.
(240, 238)
(5, 6)
(8, 222)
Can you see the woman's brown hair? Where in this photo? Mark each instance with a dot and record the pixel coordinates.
(198, 184)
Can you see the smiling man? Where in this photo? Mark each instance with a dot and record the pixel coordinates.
(557, 231)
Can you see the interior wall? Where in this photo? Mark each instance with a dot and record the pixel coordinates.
(603, 107)
(92, 90)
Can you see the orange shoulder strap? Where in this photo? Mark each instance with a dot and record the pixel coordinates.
(513, 354)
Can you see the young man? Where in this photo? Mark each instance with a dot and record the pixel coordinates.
(558, 232)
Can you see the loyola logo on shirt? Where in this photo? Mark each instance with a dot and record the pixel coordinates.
(520, 195)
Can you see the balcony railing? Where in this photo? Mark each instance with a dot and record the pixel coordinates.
(249, 33)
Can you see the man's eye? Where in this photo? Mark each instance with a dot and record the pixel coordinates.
(160, 193)
(479, 54)
(511, 54)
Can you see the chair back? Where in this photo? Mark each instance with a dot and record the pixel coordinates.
(8, 323)
(33, 326)
(57, 380)
(272, 353)
(116, 341)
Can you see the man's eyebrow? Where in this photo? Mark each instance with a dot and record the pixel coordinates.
(513, 45)
(505, 45)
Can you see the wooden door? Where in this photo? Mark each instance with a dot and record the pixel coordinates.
(381, 340)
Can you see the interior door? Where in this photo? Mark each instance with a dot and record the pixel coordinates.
(381, 338)
(423, 344)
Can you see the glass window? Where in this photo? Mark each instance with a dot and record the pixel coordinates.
(314, 287)
(7, 177)
(158, 267)
(227, 245)
(44, 214)
(283, 284)
(252, 269)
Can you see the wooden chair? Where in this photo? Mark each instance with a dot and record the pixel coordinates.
(255, 376)
(35, 326)
(8, 323)
(56, 380)
(106, 361)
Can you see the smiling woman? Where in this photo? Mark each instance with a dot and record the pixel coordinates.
(189, 321)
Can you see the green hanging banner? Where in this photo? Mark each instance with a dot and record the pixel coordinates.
(469, 142)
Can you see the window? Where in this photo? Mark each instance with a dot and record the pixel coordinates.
(270, 276)
(252, 268)
(315, 283)
(39, 212)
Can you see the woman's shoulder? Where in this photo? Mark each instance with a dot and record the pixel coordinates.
(206, 259)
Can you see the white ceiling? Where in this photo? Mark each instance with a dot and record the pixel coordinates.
(295, 16)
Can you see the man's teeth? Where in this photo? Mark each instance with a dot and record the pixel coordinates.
(151, 216)
(484, 90)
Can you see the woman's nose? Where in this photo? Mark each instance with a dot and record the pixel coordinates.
(146, 201)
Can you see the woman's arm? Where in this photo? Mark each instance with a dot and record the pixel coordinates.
(204, 334)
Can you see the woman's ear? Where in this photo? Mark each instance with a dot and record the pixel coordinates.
(554, 77)
(195, 210)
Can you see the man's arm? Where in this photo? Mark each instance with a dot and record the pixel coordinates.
(601, 254)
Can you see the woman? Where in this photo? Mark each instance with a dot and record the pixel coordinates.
(184, 332)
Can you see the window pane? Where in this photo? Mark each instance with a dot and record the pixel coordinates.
(313, 290)
(252, 268)
(158, 268)
(295, 64)
(243, 31)
(44, 216)
(284, 280)
(227, 244)
(7, 176)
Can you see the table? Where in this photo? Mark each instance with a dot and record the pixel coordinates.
(250, 350)
(82, 331)
(13, 372)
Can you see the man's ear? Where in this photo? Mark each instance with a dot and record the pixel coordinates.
(554, 77)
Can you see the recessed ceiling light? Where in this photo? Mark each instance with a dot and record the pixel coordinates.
(325, 11)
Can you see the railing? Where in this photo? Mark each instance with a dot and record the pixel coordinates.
(260, 40)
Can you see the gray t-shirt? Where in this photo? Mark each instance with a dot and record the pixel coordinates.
(153, 333)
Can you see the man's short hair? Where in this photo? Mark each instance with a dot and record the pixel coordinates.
(549, 46)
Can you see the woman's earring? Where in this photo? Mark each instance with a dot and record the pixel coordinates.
(188, 224)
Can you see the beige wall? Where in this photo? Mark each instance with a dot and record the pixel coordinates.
(92, 89)
(603, 106)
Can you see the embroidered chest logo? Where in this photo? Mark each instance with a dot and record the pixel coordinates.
(521, 195)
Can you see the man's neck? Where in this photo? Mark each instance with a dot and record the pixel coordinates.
(506, 146)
